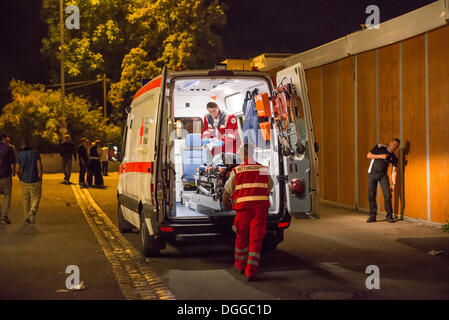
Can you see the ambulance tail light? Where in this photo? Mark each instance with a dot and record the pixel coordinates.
(283, 225)
(166, 229)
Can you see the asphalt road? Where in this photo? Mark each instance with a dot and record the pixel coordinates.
(319, 259)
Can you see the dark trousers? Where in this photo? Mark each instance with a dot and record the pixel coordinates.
(83, 169)
(373, 179)
(67, 167)
(94, 170)
(104, 167)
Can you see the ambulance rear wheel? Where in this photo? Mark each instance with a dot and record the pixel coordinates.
(271, 242)
(123, 225)
(148, 242)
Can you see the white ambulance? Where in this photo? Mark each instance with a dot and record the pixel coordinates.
(165, 186)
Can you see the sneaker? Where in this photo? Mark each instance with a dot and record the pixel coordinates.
(32, 218)
(5, 220)
(27, 220)
(371, 219)
(390, 220)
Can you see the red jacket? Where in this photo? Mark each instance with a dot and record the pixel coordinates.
(251, 186)
(227, 132)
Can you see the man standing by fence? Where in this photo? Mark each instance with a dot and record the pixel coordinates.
(381, 156)
(67, 150)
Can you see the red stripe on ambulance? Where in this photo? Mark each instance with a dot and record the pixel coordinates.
(143, 167)
(156, 83)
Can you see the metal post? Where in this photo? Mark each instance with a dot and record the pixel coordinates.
(62, 123)
(61, 29)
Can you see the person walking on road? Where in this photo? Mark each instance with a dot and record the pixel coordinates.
(83, 158)
(104, 157)
(381, 156)
(67, 150)
(6, 173)
(94, 166)
(250, 185)
(29, 170)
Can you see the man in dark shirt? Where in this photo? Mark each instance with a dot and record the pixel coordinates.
(67, 150)
(381, 156)
(29, 171)
(83, 160)
(6, 173)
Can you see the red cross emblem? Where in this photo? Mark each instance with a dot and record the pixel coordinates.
(141, 132)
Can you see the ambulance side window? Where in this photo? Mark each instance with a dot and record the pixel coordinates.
(124, 152)
(123, 149)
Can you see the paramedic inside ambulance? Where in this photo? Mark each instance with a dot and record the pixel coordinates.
(220, 130)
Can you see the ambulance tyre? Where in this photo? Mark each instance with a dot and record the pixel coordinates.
(149, 244)
(271, 242)
(123, 225)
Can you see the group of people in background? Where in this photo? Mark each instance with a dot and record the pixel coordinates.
(93, 161)
(27, 165)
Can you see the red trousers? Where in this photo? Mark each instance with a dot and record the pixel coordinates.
(250, 225)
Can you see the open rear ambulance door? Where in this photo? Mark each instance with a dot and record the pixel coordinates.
(162, 173)
(293, 121)
(144, 167)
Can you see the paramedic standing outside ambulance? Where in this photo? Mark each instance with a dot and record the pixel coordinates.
(381, 156)
(250, 185)
(221, 126)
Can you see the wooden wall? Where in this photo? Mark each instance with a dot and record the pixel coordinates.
(330, 132)
(346, 194)
(439, 123)
(388, 91)
(395, 98)
(414, 127)
(366, 119)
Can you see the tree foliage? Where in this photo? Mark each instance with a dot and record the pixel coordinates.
(34, 115)
(130, 40)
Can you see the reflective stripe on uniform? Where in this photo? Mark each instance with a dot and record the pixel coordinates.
(251, 168)
(251, 185)
(254, 254)
(243, 258)
(252, 198)
(234, 229)
(253, 262)
(241, 250)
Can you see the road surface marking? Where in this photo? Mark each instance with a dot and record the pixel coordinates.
(135, 277)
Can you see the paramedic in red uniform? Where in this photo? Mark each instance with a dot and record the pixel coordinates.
(221, 126)
(250, 185)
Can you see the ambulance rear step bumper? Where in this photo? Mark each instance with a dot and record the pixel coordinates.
(208, 236)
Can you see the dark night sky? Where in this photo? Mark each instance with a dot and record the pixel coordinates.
(254, 27)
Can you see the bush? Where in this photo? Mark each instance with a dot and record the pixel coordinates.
(34, 115)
